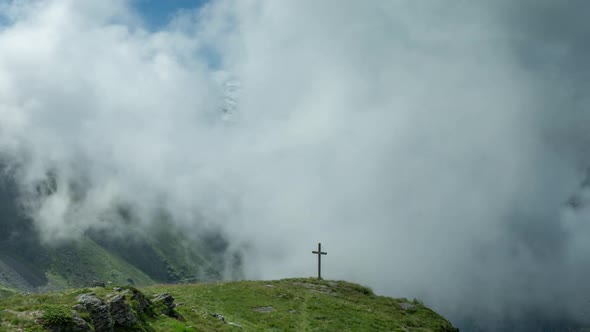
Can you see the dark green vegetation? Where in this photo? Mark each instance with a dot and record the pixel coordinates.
(57, 315)
(284, 305)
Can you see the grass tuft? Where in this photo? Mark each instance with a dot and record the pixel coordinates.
(57, 315)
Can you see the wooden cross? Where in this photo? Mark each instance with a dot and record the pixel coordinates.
(319, 253)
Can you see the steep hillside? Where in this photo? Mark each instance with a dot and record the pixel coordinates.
(284, 305)
(133, 252)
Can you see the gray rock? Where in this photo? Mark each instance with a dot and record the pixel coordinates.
(97, 283)
(101, 318)
(121, 311)
(80, 325)
(168, 301)
(165, 298)
(88, 299)
(99, 312)
(407, 306)
(235, 325)
(264, 310)
(79, 307)
(219, 316)
(141, 300)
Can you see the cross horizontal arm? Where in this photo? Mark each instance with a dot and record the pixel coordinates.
(316, 252)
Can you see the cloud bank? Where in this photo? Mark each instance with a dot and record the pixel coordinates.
(431, 147)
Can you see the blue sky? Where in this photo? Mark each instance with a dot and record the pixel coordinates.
(158, 12)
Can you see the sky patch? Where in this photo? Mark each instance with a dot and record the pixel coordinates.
(158, 13)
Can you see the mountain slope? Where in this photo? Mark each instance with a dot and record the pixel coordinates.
(283, 305)
(131, 251)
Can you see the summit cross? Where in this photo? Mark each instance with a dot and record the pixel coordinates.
(319, 253)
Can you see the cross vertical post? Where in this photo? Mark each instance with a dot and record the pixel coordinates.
(319, 253)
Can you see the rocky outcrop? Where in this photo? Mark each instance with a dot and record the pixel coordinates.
(80, 324)
(99, 312)
(97, 283)
(166, 302)
(165, 305)
(121, 311)
(142, 302)
(116, 310)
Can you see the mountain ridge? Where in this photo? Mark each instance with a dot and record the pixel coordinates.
(298, 304)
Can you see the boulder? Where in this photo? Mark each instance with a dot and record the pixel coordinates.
(407, 306)
(79, 307)
(99, 312)
(80, 325)
(219, 316)
(97, 283)
(143, 302)
(121, 311)
(167, 300)
(116, 312)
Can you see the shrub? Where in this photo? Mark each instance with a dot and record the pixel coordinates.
(55, 315)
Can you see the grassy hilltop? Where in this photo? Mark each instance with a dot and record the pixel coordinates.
(283, 305)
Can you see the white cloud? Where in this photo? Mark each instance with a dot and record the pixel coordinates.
(409, 138)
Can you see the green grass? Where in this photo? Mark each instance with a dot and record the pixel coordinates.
(286, 305)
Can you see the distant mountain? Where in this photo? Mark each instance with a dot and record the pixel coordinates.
(131, 253)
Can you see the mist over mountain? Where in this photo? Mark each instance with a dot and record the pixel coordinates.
(437, 150)
(126, 253)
